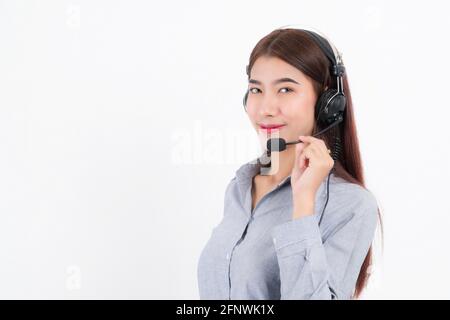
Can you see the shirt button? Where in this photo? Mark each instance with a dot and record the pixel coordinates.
(274, 240)
(228, 256)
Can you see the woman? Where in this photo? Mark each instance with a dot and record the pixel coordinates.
(275, 241)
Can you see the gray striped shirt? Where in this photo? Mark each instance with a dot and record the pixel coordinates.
(266, 254)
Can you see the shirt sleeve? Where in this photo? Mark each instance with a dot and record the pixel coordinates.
(316, 266)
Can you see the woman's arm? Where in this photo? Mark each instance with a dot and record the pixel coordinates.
(316, 268)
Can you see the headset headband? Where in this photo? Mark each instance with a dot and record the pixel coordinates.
(337, 66)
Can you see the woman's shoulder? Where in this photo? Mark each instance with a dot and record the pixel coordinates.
(353, 197)
(350, 205)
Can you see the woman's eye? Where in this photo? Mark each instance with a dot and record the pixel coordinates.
(288, 89)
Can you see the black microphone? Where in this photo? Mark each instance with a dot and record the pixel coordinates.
(279, 144)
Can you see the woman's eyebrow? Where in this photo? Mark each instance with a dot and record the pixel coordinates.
(275, 81)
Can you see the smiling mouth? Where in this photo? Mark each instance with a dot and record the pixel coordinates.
(270, 128)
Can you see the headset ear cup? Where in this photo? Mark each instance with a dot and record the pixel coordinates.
(337, 105)
(322, 109)
(330, 112)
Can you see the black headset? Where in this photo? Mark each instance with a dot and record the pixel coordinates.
(331, 104)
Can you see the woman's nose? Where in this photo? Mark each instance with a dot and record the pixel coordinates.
(269, 107)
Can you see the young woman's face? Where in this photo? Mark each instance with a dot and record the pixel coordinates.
(289, 103)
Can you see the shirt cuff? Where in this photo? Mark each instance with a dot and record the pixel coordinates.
(296, 235)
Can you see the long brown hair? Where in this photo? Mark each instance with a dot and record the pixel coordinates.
(297, 48)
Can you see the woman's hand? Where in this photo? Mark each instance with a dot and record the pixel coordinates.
(312, 164)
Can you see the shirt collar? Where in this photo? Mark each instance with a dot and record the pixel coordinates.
(248, 170)
(245, 174)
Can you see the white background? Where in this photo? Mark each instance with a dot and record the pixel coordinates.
(121, 123)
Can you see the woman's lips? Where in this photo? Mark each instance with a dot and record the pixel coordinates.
(270, 128)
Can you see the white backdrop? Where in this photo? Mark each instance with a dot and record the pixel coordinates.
(121, 123)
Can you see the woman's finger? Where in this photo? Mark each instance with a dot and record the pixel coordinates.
(317, 144)
(307, 156)
(321, 151)
(311, 154)
(299, 147)
(302, 161)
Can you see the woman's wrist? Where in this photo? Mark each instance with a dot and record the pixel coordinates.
(303, 205)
